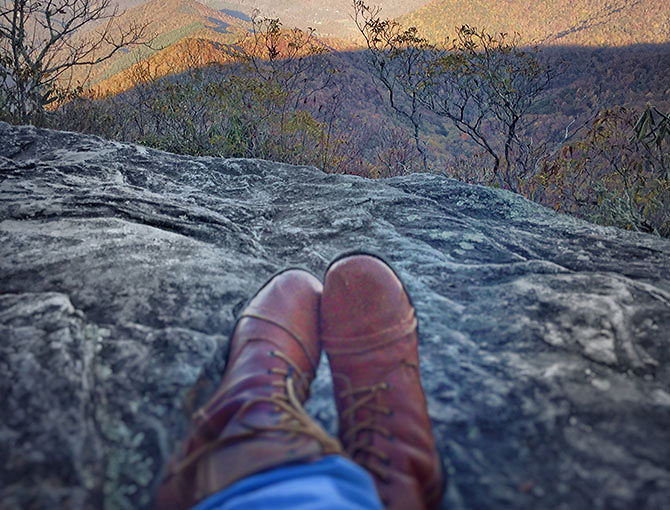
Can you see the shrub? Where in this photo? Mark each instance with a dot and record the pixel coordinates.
(617, 173)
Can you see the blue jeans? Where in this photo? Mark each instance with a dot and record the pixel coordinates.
(332, 483)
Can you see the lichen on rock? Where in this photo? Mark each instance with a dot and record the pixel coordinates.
(544, 339)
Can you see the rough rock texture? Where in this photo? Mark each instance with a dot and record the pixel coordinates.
(545, 340)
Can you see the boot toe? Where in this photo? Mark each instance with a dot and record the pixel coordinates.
(290, 301)
(363, 296)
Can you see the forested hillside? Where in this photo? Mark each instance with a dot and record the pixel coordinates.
(561, 22)
(181, 34)
(330, 18)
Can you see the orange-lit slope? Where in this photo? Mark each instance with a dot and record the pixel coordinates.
(563, 22)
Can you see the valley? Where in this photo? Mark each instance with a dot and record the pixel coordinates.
(209, 80)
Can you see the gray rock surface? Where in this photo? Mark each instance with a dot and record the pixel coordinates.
(545, 341)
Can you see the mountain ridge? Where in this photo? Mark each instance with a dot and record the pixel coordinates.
(179, 33)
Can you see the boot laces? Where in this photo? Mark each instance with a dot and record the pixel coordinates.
(359, 445)
(293, 420)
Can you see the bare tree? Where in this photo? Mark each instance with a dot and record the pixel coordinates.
(398, 60)
(292, 62)
(484, 85)
(42, 43)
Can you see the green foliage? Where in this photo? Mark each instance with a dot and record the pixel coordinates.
(232, 117)
(653, 129)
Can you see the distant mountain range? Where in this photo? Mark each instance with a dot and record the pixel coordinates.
(330, 18)
(184, 31)
(556, 22)
(564, 22)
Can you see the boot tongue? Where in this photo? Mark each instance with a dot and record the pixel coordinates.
(256, 323)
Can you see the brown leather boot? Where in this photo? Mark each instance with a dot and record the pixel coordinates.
(369, 330)
(256, 421)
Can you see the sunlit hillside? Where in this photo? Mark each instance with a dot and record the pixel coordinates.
(330, 18)
(183, 34)
(559, 22)
(180, 34)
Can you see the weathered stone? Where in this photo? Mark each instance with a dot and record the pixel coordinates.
(545, 340)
